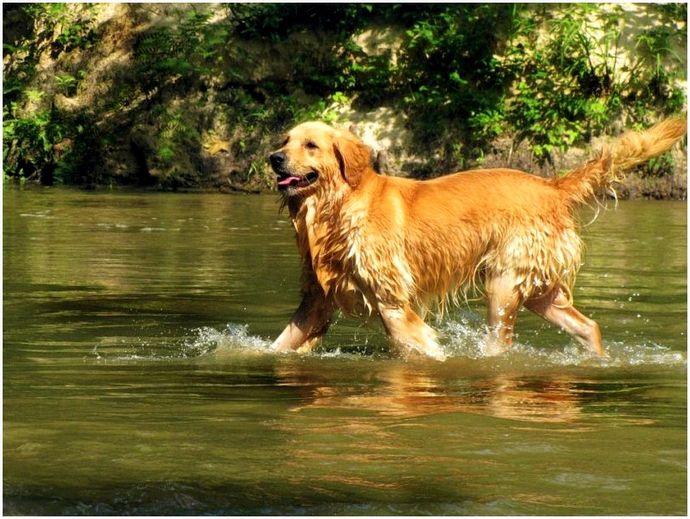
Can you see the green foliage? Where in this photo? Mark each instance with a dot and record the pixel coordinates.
(462, 74)
(189, 49)
(39, 142)
(448, 72)
(569, 84)
(67, 83)
(658, 166)
(67, 29)
(50, 147)
(279, 21)
(175, 136)
(484, 70)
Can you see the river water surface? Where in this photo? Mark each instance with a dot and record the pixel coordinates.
(138, 379)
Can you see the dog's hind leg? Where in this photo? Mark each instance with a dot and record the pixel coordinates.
(503, 302)
(408, 333)
(557, 308)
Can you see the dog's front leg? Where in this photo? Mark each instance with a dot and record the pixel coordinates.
(408, 333)
(308, 324)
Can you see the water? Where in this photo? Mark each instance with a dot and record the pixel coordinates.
(138, 379)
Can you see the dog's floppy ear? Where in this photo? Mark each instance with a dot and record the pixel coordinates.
(353, 156)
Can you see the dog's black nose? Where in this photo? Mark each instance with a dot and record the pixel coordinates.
(278, 160)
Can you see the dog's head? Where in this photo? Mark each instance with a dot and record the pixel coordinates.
(315, 157)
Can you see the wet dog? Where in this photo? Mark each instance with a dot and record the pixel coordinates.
(393, 247)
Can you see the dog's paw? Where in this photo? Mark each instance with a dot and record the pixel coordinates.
(431, 351)
(492, 347)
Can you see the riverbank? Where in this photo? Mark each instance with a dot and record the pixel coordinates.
(632, 187)
(195, 96)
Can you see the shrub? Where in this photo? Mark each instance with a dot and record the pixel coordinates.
(464, 74)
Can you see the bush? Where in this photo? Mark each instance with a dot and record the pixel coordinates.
(464, 74)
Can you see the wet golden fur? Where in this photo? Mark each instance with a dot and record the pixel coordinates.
(390, 247)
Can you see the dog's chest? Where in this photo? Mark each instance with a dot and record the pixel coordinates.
(332, 245)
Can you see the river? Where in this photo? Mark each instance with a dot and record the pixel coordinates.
(138, 377)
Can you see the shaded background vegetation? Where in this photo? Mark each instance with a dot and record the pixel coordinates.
(193, 95)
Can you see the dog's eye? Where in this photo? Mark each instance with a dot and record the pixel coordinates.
(311, 145)
(285, 142)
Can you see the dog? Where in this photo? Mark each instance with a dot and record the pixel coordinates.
(393, 248)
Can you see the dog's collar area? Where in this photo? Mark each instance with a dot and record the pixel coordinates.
(286, 181)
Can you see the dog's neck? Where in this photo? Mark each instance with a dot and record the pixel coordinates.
(322, 213)
(325, 207)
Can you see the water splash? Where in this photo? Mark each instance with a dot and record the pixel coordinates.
(465, 339)
(621, 354)
(234, 339)
(198, 343)
(462, 339)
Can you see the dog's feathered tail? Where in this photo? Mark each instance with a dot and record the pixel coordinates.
(628, 151)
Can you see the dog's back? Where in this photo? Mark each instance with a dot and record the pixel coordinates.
(485, 223)
(461, 228)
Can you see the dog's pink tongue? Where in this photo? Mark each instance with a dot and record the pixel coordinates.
(288, 181)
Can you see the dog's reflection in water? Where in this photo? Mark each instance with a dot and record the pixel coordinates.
(404, 390)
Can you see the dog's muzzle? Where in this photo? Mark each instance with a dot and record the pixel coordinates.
(286, 179)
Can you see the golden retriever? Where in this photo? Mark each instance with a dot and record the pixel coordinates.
(376, 245)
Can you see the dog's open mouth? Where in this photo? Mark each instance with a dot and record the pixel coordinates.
(286, 181)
